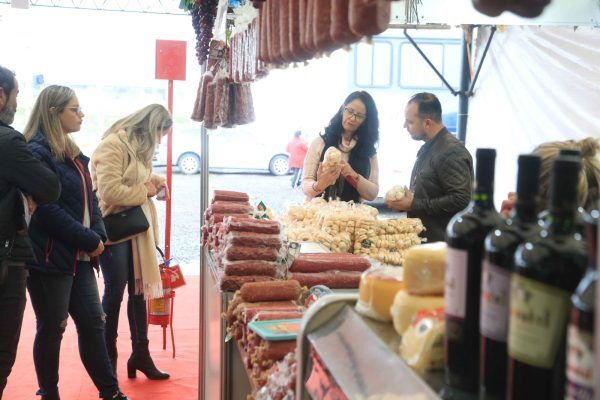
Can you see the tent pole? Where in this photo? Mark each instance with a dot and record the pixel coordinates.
(463, 95)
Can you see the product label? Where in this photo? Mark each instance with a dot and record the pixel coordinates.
(580, 365)
(495, 292)
(538, 316)
(455, 290)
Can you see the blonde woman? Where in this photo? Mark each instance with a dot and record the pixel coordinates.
(122, 175)
(67, 237)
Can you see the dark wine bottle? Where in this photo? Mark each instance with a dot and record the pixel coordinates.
(547, 270)
(466, 233)
(500, 246)
(580, 336)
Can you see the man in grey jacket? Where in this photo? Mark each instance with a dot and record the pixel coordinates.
(441, 180)
(24, 182)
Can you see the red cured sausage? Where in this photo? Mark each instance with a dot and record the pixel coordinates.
(296, 26)
(238, 253)
(284, 30)
(306, 25)
(271, 291)
(333, 279)
(321, 262)
(275, 351)
(263, 40)
(340, 27)
(253, 239)
(369, 17)
(321, 16)
(252, 225)
(232, 283)
(224, 207)
(230, 195)
(250, 268)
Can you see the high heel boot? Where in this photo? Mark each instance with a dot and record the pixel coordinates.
(140, 360)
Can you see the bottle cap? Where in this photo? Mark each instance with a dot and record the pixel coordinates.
(528, 179)
(484, 173)
(564, 182)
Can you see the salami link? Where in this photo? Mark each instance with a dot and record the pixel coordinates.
(230, 195)
(232, 283)
(321, 16)
(238, 253)
(369, 17)
(275, 351)
(295, 24)
(253, 239)
(250, 268)
(309, 262)
(252, 225)
(340, 28)
(224, 207)
(333, 280)
(271, 291)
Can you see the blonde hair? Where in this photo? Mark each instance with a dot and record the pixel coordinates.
(142, 128)
(47, 122)
(589, 178)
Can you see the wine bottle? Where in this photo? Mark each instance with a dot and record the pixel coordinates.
(466, 233)
(500, 246)
(580, 336)
(547, 270)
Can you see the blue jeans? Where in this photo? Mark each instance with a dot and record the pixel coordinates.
(12, 306)
(54, 297)
(116, 263)
(296, 177)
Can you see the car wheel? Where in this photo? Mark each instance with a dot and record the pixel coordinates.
(189, 163)
(279, 165)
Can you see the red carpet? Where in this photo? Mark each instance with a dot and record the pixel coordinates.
(75, 384)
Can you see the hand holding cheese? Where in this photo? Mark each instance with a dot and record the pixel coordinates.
(424, 269)
(395, 193)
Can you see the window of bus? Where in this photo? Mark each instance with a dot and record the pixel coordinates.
(373, 64)
(416, 73)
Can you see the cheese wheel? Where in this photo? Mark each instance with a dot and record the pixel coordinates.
(422, 344)
(406, 306)
(377, 290)
(424, 268)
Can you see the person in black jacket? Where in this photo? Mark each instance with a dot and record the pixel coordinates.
(442, 177)
(67, 237)
(22, 176)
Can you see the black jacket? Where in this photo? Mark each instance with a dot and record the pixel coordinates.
(441, 181)
(20, 172)
(56, 230)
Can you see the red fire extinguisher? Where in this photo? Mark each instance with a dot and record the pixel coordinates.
(160, 310)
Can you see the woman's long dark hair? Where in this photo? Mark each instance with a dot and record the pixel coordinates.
(367, 134)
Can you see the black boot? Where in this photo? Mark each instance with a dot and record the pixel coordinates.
(117, 396)
(53, 396)
(111, 348)
(140, 360)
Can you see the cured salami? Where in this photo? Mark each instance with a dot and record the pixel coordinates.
(275, 351)
(253, 239)
(224, 207)
(229, 195)
(321, 16)
(250, 268)
(237, 253)
(340, 27)
(295, 28)
(252, 225)
(321, 262)
(369, 17)
(333, 279)
(271, 291)
(232, 283)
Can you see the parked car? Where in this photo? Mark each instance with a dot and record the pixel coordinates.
(230, 150)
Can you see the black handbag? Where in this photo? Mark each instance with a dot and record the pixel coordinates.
(125, 223)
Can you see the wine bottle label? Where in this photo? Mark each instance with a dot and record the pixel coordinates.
(580, 364)
(538, 316)
(455, 290)
(495, 292)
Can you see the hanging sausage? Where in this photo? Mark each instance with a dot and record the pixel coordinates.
(340, 27)
(369, 17)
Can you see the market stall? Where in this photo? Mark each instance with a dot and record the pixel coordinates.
(338, 342)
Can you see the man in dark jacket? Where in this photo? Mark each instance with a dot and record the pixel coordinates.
(24, 182)
(441, 180)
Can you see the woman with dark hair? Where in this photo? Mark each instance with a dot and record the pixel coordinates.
(354, 131)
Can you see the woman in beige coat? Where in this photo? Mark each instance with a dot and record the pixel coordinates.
(122, 176)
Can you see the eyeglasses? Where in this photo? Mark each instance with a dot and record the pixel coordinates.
(76, 110)
(354, 114)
